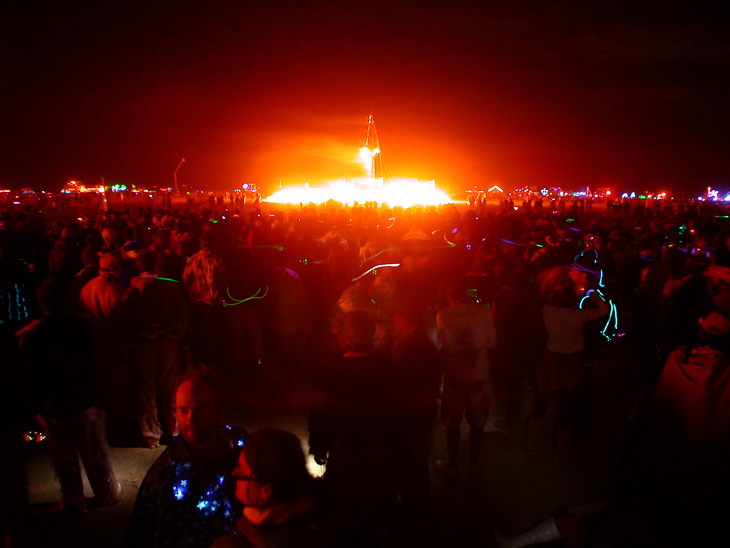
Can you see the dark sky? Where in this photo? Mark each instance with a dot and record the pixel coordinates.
(621, 94)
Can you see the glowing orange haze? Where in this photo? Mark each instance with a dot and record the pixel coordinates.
(404, 192)
(318, 167)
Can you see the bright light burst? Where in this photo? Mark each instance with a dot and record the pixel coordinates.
(365, 157)
(403, 192)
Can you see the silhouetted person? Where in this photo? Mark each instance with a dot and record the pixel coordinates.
(465, 330)
(62, 373)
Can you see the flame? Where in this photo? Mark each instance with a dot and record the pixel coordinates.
(401, 192)
(365, 157)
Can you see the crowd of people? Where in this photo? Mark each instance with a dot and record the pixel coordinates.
(392, 319)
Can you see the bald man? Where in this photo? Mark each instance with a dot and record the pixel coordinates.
(187, 497)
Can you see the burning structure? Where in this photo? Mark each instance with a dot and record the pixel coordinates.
(397, 191)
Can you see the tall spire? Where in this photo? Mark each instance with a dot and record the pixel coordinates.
(372, 144)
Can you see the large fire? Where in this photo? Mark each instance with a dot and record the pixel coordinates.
(403, 192)
(365, 156)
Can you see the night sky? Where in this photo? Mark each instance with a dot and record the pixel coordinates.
(630, 95)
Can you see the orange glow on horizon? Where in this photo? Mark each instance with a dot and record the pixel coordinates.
(352, 184)
(324, 150)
